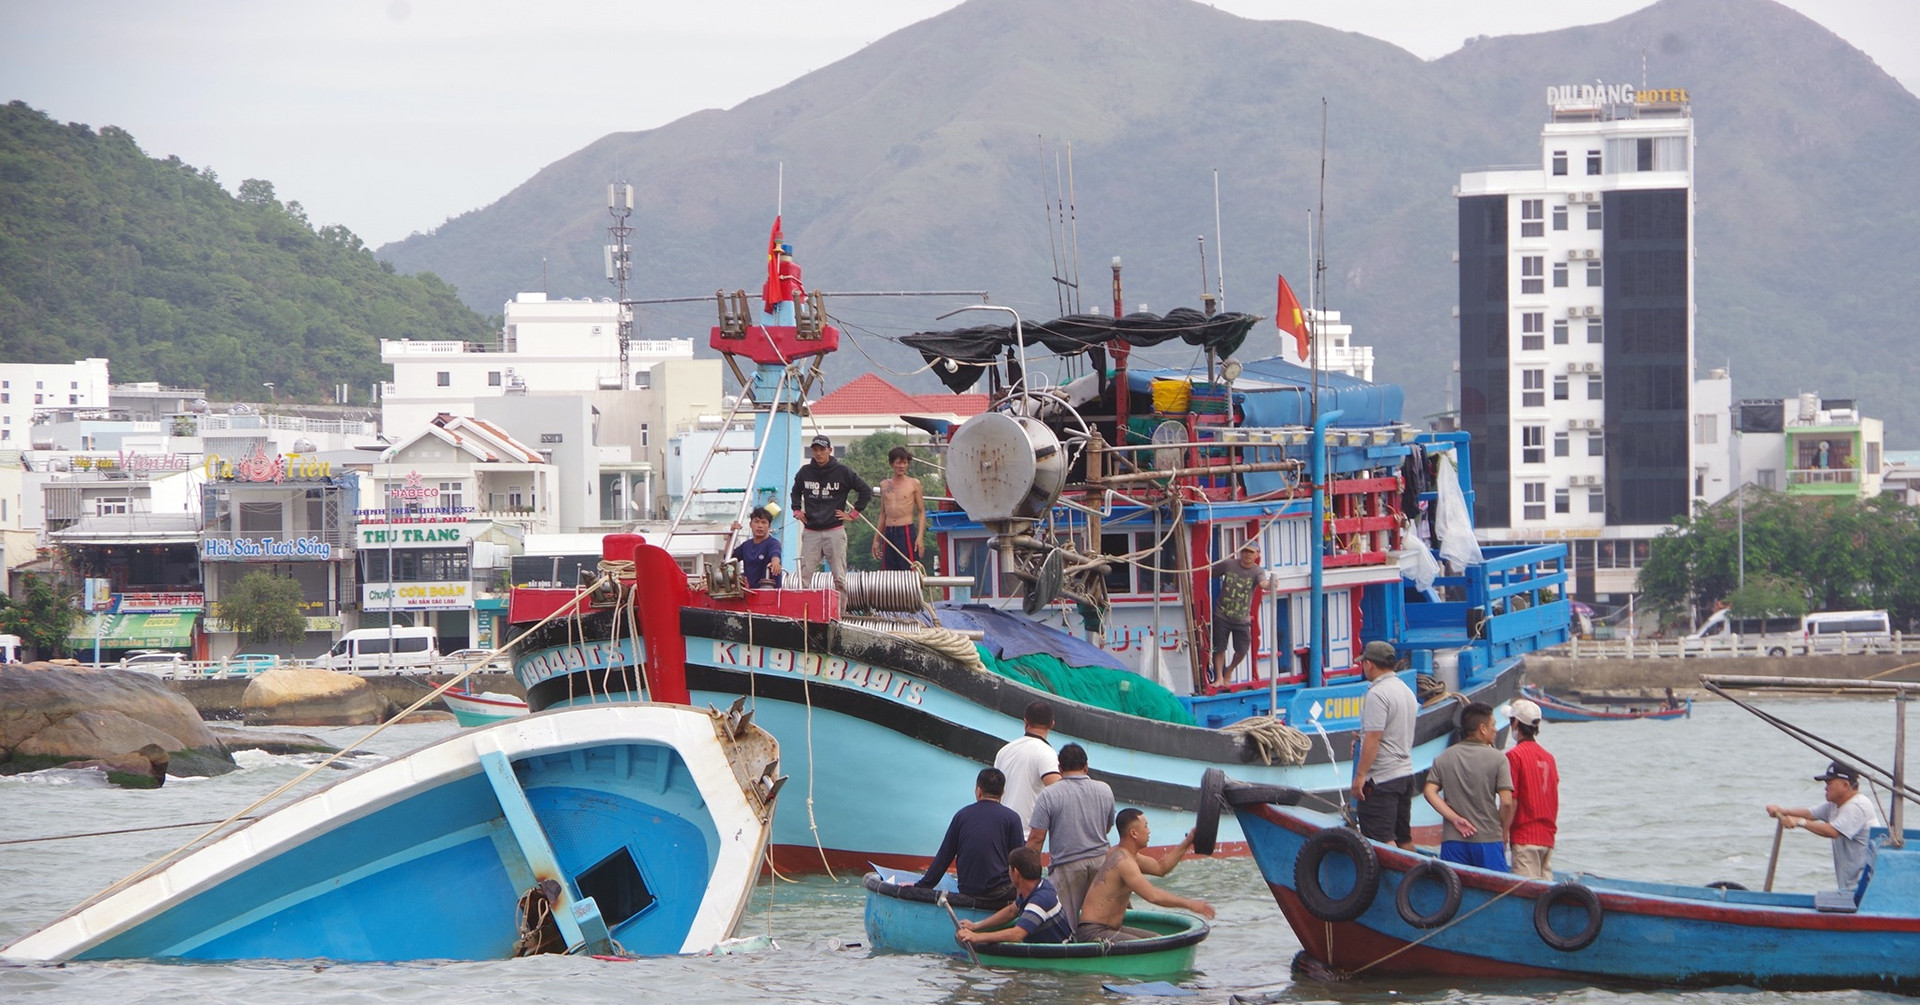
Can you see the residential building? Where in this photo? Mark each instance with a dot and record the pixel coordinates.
(30, 388)
(869, 404)
(1812, 446)
(289, 515)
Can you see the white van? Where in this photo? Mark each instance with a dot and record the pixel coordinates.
(1775, 636)
(410, 650)
(1847, 631)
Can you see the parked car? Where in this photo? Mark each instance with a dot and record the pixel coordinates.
(251, 663)
(153, 660)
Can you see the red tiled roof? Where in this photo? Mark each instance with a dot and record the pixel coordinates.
(870, 394)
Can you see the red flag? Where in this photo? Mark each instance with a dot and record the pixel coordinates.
(770, 293)
(1291, 319)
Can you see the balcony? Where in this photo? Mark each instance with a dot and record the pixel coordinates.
(1824, 481)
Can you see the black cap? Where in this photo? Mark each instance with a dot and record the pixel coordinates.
(1838, 770)
(821, 441)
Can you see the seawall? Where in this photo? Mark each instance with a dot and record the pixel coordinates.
(1564, 674)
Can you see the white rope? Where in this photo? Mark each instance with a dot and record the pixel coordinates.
(1276, 740)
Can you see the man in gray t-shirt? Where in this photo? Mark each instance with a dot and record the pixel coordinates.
(1847, 816)
(1383, 768)
(1477, 805)
(1076, 812)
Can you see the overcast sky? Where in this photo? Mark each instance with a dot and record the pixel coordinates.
(390, 116)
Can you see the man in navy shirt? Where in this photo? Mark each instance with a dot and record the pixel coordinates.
(760, 555)
(1035, 911)
(979, 838)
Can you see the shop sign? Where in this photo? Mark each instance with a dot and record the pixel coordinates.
(261, 466)
(131, 602)
(416, 596)
(429, 536)
(271, 549)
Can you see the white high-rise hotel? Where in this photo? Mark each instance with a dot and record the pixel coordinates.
(1576, 331)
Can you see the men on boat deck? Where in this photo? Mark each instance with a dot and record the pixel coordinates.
(979, 838)
(1471, 785)
(820, 492)
(1383, 768)
(1035, 910)
(1536, 795)
(1076, 812)
(1123, 873)
(1846, 816)
(1235, 580)
(759, 556)
(1029, 762)
(903, 516)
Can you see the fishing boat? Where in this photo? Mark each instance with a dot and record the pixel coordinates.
(1068, 535)
(1556, 709)
(903, 918)
(483, 708)
(1361, 908)
(611, 829)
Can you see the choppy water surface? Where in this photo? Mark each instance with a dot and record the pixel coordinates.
(1676, 801)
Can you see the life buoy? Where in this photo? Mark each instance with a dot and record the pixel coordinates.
(1206, 823)
(1449, 881)
(1366, 874)
(1576, 894)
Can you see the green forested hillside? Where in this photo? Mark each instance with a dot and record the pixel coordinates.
(105, 251)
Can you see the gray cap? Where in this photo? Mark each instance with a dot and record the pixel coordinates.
(1380, 652)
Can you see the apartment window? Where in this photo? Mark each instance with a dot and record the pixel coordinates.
(1560, 217)
(1533, 446)
(1594, 217)
(1706, 429)
(1532, 331)
(1563, 500)
(1596, 444)
(1560, 275)
(1643, 154)
(74, 385)
(1594, 331)
(1765, 478)
(1533, 218)
(1562, 441)
(1593, 162)
(516, 500)
(39, 399)
(444, 378)
(1559, 394)
(450, 496)
(1595, 388)
(1559, 333)
(5, 397)
(643, 378)
(1593, 273)
(644, 436)
(110, 506)
(39, 385)
(1560, 162)
(1533, 388)
(1596, 501)
(73, 399)
(1533, 272)
(493, 378)
(1534, 497)
(6, 434)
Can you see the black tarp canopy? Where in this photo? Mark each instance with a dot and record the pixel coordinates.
(971, 350)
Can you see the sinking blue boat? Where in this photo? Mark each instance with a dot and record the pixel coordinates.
(1557, 709)
(613, 829)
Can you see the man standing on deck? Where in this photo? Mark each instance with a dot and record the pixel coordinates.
(1846, 817)
(1029, 762)
(978, 839)
(1383, 769)
(1536, 796)
(1236, 580)
(1123, 873)
(1077, 811)
(903, 516)
(1477, 806)
(820, 498)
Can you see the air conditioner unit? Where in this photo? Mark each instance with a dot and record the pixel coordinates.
(1593, 423)
(1573, 423)
(1573, 368)
(1592, 312)
(1589, 367)
(1590, 254)
(1593, 197)
(1573, 254)
(1573, 312)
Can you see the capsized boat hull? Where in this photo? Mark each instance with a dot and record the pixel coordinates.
(652, 817)
(1554, 709)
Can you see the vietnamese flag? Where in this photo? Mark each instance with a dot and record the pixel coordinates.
(770, 293)
(1291, 319)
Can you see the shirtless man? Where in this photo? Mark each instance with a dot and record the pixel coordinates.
(903, 516)
(1124, 874)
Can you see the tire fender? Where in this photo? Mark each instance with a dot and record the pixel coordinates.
(1449, 881)
(1576, 894)
(1206, 824)
(1366, 867)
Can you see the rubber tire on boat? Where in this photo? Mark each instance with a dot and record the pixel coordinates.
(1206, 822)
(1580, 894)
(1449, 881)
(1725, 884)
(1366, 869)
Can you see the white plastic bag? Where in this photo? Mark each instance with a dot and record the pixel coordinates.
(1454, 521)
(1417, 562)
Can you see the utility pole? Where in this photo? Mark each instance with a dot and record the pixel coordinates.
(620, 267)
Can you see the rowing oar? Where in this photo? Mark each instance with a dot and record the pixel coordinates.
(1779, 828)
(975, 957)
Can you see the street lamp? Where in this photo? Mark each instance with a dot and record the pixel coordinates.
(269, 386)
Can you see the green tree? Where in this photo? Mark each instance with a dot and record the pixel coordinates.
(263, 607)
(868, 457)
(42, 615)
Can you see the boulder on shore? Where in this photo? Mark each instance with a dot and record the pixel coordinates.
(304, 697)
(52, 716)
(145, 768)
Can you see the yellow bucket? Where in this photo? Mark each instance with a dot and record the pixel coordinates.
(1171, 395)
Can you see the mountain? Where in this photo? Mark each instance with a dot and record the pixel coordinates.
(919, 163)
(107, 252)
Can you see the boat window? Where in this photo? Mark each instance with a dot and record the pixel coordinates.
(616, 886)
(1119, 574)
(970, 558)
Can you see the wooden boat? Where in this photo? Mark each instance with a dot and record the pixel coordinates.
(1554, 709)
(480, 709)
(1360, 908)
(903, 918)
(636, 828)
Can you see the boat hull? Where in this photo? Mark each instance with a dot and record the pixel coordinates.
(904, 920)
(1652, 933)
(649, 810)
(471, 709)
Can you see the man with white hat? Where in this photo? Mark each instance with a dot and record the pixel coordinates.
(1536, 793)
(1847, 816)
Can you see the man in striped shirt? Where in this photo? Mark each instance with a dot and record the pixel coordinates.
(1035, 910)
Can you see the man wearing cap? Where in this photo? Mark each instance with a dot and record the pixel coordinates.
(1536, 795)
(1383, 769)
(820, 497)
(1846, 817)
(1235, 580)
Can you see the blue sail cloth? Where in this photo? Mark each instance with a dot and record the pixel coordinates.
(1009, 636)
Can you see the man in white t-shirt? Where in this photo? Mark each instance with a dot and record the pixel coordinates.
(1846, 817)
(1029, 763)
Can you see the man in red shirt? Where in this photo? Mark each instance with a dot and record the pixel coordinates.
(1536, 790)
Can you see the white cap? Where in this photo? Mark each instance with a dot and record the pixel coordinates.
(1525, 711)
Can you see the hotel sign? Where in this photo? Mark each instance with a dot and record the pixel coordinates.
(1592, 95)
(416, 596)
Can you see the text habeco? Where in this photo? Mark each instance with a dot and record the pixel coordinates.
(826, 668)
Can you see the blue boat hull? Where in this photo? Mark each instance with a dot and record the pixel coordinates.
(1653, 933)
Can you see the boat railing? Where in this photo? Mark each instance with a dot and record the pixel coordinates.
(1748, 646)
(1512, 603)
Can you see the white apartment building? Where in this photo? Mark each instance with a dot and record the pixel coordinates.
(1338, 353)
(26, 388)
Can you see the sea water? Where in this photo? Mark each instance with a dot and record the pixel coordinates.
(1681, 801)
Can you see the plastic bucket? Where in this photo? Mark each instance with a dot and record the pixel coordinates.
(1171, 395)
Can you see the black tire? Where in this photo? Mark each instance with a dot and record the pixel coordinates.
(1725, 884)
(1206, 823)
(1449, 881)
(1578, 894)
(1776, 651)
(1366, 869)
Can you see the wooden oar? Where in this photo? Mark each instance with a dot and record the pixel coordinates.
(1779, 828)
(975, 957)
